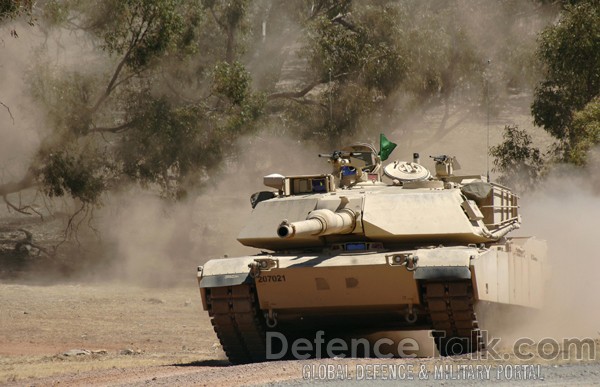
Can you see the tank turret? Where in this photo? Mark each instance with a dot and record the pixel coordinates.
(353, 203)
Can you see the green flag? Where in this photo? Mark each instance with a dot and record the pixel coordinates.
(386, 147)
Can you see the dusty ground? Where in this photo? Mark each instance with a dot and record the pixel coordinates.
(123, 326)
(138, 336)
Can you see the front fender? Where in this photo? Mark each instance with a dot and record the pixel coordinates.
(225, 272)
(444, 263)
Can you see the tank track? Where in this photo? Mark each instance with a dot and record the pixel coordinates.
(453, 318)
(241, 328)
(236, 319)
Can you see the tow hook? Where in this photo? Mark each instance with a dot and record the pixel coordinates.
(410, 316)
(262, 264)
(271, 318)
(408, 260)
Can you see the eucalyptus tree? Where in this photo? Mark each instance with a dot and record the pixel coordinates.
(130, 120)
(566, 100)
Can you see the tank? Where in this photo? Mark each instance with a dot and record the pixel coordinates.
(366, 249)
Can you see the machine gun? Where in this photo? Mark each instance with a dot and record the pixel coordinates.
(354, 164)
(445, 165)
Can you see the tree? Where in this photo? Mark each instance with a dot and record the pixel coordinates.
(374, 64)
(131, 123)
(361, 58)
(82, 106)
(585, 132)
(229, 17)
(570, 53)
(519, 163)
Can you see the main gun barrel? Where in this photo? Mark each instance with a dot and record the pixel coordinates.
(320, 222)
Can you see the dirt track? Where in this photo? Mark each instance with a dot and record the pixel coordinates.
(134, 335)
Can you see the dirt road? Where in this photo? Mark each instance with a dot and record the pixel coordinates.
(106, 334)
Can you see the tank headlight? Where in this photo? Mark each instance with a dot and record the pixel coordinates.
(397, 259)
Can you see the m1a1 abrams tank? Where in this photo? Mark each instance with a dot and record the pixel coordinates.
(349, 254)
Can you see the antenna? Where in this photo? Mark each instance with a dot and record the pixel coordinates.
(330, 98)
(487, 101)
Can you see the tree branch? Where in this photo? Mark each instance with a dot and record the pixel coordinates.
(308, 102)
(340, 20)
(9, 112)
(116, 129)
(111, 84)
(70, 225)
(295, 94)
(21, 210)
(317, 10)
(305, 90)
(128, 77)
(113, 81)
(219, 23)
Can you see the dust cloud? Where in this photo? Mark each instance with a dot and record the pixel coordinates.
(19, 120)
(154, 242)
(563, 211)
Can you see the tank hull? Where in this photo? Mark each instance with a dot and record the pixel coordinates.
(434, 288)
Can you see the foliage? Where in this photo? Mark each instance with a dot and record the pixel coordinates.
(67, 97)
(11, 9)
(135, 124)
(232, 82)
(360, 57)
(442, 56)
(585, 132)
(81, 172)
(519, 163)
(368, 52)
(229, 17)
(231, 13)
(163, 144)
(138, 30)
(570, 52)
(175, 146)
(380, 61)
